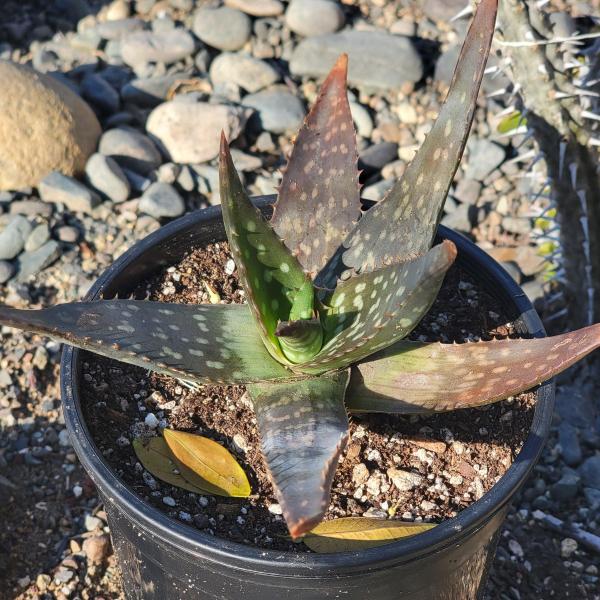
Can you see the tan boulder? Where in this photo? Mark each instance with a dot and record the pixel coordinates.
(44, 127)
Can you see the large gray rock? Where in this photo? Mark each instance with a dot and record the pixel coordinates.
(223, 28)
(161, 200)
(190, 131)
(314, 17)
(59, 188)
(251, 74)
(167, 47)
(104, 175)
(277, 109)
(44, 127)
(130, 149)
(377, 60)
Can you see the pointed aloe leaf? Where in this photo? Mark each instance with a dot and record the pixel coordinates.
(208, 343)
(272, 278)
(371, 311)
(319, 197)
(403, 225)
(304, 428)
(300, 340)
(412, 377)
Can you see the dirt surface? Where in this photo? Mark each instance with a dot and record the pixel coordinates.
(440, 464)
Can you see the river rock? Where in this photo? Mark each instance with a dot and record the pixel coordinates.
(38, 237)
(257, 8)
(58, 188)
(278, 110)
(44, 126)
(100, 93)
(162, 200)
(31, 263)
(442, 10)
(13, 237)
(130, 149)
(151, 91)
(190, 131)
(377, 60)
(114, 30)
(104, 175)
(590, 472)
(223, 28)
(251, 74)
(314, 17)
(484, 156)
(167, 47)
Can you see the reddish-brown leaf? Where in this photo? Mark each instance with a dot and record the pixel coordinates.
(319, 200)
(403, 225)
(303, 428)
(412, 377)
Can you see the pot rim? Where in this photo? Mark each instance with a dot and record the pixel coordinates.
(246, 557)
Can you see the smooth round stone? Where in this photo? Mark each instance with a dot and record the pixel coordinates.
(278, 111)
(442, 10)
(7, 270)
(130, 149)
(116, 10)
(60, 189)
(161, 200)
(153, 47)
(257, 8)
(31, 263)
(100, 93)
(223, 28)
(67, 234)
(44, 126)
(314, 17)
(104, 175)
(114, 30)
(251, 74)
(13, 237)
(376, 60)
(37, 238)
(190, 131)
(484, 156)
(150, 91)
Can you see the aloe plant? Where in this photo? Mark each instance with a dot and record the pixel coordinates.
(331, 295)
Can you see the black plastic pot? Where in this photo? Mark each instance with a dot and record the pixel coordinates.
(163, 558)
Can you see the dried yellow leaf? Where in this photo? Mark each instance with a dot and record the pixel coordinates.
(208, 460)
(351, 534)
(155, 456)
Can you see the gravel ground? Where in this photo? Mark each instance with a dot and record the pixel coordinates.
(253, 69)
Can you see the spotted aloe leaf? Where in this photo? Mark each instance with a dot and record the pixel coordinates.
(319, 197)
(303, 428)
(373, 310)
(209, 343)
(403, 225)
(274, 281)
(412, 377)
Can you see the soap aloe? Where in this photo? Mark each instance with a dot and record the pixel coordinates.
(331, 296)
